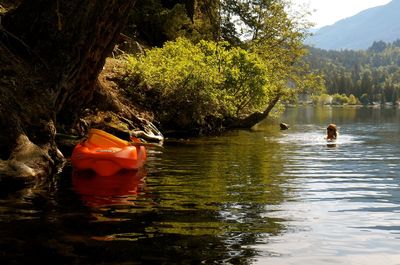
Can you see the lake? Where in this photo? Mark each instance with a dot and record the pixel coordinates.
(261, 196)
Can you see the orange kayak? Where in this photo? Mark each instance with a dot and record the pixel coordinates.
(107, 154)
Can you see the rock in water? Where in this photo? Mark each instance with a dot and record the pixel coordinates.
(284, 126)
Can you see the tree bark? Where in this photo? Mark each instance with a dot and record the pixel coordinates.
(254, 118)
(51, 53)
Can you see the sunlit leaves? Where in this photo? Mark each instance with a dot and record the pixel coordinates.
(268, 30)
(195, 83)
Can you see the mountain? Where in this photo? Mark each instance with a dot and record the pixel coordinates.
(358, 32)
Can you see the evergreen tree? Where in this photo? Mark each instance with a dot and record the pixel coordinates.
(373, 72)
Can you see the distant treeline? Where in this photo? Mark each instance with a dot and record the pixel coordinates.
(372, 75)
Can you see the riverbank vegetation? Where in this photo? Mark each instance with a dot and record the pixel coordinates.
(335, 99)
(192, 86)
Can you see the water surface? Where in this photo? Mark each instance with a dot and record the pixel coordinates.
(262, 196)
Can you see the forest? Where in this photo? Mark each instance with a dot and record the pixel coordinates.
(368, 77)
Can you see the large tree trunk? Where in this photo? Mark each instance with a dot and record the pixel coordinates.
(51, 52)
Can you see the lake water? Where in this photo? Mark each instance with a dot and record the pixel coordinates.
(263, 196)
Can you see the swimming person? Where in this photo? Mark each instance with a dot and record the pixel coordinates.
(331, 132)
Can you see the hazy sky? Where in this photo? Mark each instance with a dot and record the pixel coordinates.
(327, 12)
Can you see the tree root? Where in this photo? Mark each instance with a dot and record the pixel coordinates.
(28, 161)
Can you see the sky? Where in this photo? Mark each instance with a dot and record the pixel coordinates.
(327, 12)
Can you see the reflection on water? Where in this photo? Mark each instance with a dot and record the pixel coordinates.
(249, 197)
(100, 191)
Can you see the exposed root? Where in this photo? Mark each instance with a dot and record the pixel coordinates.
(28, 161)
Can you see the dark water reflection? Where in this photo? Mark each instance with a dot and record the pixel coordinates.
(247, 197)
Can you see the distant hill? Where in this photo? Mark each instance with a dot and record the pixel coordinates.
(358, 32)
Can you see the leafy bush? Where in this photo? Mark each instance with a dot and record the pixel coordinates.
(353, 100)
(336, 99)
(340, 99)
(188, 86)
(323, 99)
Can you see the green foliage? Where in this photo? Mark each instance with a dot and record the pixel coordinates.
(323, 99)
(190, 85)
(336, 99)
(195, 85)
(266, 29)
(340, 99)
(155, 21)
(364, 99)
(371, 76)
(352, 100)
(245, 81)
